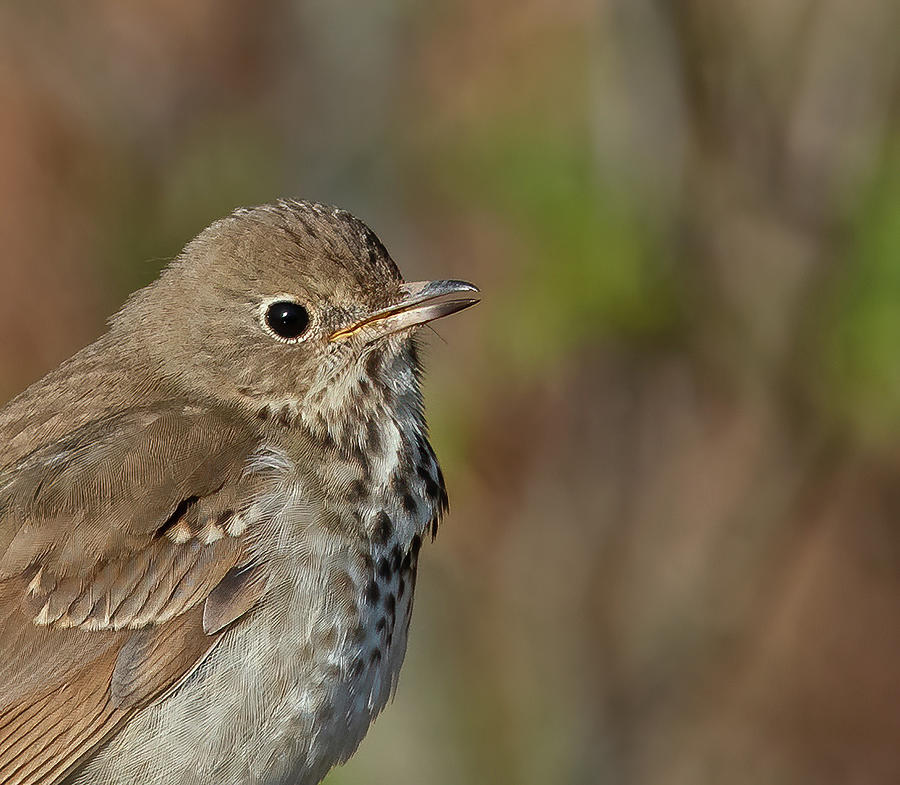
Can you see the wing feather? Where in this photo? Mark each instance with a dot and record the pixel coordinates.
(112, 541)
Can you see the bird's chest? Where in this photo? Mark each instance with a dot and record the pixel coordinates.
(343, 609)
(291, 690)
(346, 549)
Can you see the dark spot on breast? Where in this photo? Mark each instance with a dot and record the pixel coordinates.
(263, 413)
(382, 623)
(373, 435)
(445, 502)
(368, 564)
(395, 558)
(421, 444)
(384, 568)
(373, 363)
(401, 586)
(434, 527)
(325, 715)
(390, 605)
(409, 503)
(432, 489)
(399, 485)
(416, 544)
(407, 561)
(372, 592)
(328, 440)
(383, 529)
(357, 491)
(375, 656)
(387, 392)
(356, 668)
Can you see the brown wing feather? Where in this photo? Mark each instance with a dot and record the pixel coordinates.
(238, 591)
(155, 659)
(46, 735)
(111, 542)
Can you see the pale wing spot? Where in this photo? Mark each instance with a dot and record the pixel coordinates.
(43, 618)
(34, 588)
(180, 533)
(64, 622)
(236, 526)
(212, 534)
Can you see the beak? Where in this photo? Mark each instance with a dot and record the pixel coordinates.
(423, 301)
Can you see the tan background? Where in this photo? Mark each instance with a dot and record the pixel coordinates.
(669, 430)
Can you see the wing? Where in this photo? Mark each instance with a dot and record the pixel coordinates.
(124, 554)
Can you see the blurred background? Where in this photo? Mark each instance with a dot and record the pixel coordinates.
(670, 430)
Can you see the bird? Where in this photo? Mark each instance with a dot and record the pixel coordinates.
(211, 517)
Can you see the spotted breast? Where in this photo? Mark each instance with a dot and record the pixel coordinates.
(338, 521)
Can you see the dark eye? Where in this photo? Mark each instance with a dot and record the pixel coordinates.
(286, 319)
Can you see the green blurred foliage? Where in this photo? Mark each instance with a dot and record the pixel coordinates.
(589, 263)
(862, 328)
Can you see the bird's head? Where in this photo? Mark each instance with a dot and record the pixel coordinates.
(291, 309)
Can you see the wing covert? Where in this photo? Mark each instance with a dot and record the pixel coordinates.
(112, 541)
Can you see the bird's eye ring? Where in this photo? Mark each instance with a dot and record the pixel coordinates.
(286, 319)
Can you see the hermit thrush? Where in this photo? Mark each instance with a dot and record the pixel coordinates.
(210, 518)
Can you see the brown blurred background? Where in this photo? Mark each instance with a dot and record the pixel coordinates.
(670, 430)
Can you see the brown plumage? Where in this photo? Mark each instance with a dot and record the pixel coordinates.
(195, 482)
